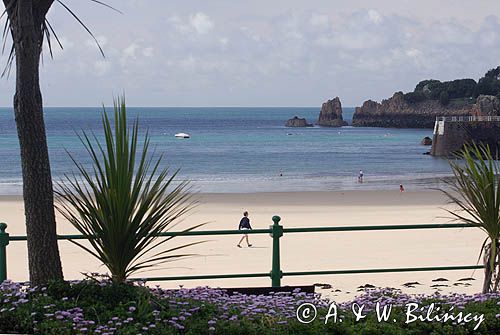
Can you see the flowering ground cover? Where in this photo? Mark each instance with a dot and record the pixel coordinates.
(91, 307)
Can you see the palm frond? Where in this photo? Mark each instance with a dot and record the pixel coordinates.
(82, 24)
(475, 190)
(48, 25)
(125, 200)
(47, 31)
(106, 5)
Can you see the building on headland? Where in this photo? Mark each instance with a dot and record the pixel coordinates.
(452, 132)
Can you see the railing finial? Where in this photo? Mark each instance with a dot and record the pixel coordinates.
(276, 219)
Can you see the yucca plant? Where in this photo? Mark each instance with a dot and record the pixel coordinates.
(476, 191)
(124, 200)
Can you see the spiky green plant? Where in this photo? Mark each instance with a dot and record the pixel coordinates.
(124, 200)
(476, 191)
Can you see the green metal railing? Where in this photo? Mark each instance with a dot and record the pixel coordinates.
(276, 231)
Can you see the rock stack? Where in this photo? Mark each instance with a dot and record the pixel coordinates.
(331, 114)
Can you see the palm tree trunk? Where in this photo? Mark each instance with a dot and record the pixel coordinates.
(43, 252)
(491, 267)
(495, 278)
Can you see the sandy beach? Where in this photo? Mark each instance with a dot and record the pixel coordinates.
(305, 251)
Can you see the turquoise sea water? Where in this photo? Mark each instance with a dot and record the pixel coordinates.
(246, 149)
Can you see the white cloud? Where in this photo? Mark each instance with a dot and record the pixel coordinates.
(57, 52)
(101, 67)
(128, 53)
(197, 23)
(101, 39)
(319, 20)
(148, 52)
(178, 24)
(130, 50)
(354, 41)
(252, 34)
(265, 54)
(188, 64)
(223, 41)
(413, 53)
(131, 55)
(374, 16)
(449, 32)
(201, 23)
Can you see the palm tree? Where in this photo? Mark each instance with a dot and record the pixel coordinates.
(124, 201)
(26, 21)
(476, 191)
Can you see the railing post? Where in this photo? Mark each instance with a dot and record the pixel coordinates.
(4, 241)
(276, 233)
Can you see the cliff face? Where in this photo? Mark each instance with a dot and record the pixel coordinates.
(395, 112)
(331, 114)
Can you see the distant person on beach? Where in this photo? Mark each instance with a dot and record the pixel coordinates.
(244, 225)
(360, 176)
(401, 188)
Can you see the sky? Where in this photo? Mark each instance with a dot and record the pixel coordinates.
(262, 52)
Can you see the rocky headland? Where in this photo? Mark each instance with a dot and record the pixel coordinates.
(297, 122)
(395, 112)
(432, 98)
(331, 114)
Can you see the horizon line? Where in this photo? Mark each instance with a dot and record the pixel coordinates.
(186, 107)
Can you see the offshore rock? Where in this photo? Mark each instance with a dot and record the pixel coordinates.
(331, 114)
(426, 141)
(297, 122)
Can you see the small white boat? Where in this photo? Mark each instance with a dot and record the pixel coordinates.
(182, 135)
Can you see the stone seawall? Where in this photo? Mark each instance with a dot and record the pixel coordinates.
(450, 137)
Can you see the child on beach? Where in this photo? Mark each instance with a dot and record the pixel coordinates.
(244, 225)
(401, 188)
(360, 176)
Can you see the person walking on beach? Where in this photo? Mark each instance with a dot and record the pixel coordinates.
(244, 225)
(360, 176)
(401, 188)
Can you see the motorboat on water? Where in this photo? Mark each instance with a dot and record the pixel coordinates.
(182, 135)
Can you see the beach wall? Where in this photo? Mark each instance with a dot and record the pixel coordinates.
(451, 135)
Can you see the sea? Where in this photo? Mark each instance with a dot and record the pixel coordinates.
(243, 150)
